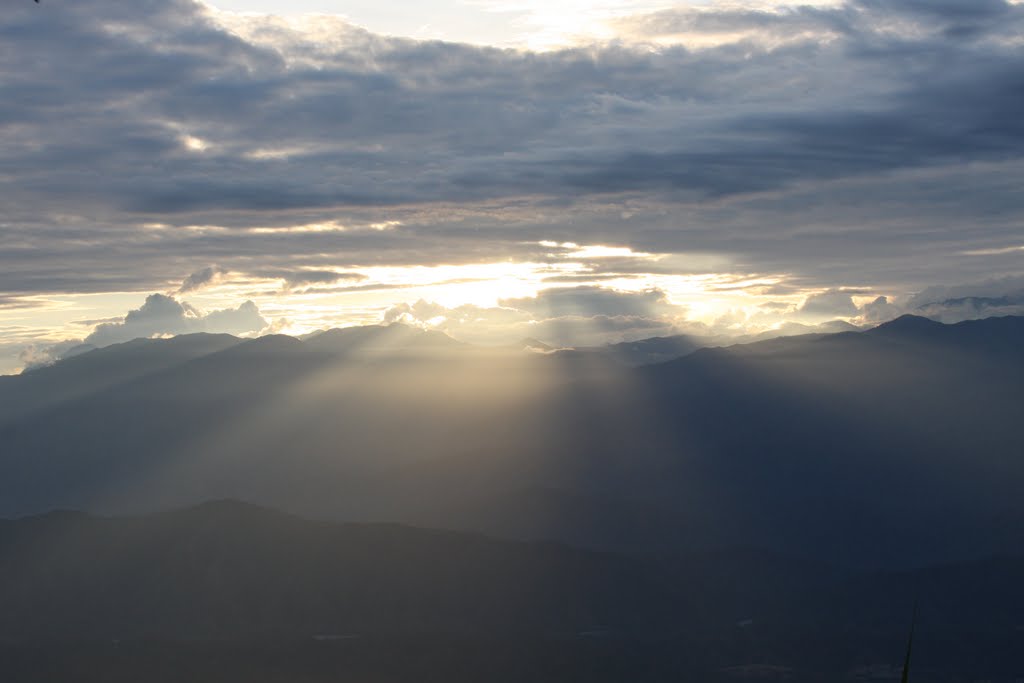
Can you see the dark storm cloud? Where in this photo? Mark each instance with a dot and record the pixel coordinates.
(115, 116)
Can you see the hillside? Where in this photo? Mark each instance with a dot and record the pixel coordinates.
(855, 447)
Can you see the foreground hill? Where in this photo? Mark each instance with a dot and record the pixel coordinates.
(230, 570)
(894, 447)
(229, 591)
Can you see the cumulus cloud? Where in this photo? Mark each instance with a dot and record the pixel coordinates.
(589, 315)
(879, 310)
(561, 302)
(246, 319)
(833, 309)
(159, 316)
(426, 311)
(162, 315)
(834, 303)
(562, 317)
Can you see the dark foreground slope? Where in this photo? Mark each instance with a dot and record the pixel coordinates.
(894, 447)
(230, 570)
(226, 592)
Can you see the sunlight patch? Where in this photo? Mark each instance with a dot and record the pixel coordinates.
(194, 144)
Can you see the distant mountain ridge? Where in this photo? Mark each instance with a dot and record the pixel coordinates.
(852, 447)
(400, 337)
(378, 337)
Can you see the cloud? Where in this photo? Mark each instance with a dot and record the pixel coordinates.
(159, 133)
(691, 24)
(162, 315)
(831, 304)
(40, 355)
(200, 279)
(856, 20)
(246, 319)
(945, 303)
(590, 315)
(159, 316)
(879, 311)
(833, 310)
(301, 278)
(426, 311)
(559, 302)
(565, 316)
(951, 304)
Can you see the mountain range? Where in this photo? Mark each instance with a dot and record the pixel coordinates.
(887, 448)
(232, 591)
(761, 511)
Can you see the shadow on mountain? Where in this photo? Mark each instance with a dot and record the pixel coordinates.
(889, 448)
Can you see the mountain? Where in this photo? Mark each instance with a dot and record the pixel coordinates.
(92, 371)
(663, 349)
(794, 329)
(227, 570)
(861, 445)
(654, 350)
(230, 591)
(890, 448)
(379, 340)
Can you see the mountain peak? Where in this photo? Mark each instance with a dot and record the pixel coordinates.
(396, 336)
(908, 324)
(226, 508)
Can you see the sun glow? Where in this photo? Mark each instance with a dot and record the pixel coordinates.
(480, 303)
(194, 144)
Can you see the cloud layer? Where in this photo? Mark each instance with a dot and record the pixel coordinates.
(868, 148)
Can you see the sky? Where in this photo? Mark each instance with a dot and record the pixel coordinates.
(529, 24)
(577, 172)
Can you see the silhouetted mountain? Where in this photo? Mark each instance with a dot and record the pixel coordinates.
(230, 591)
(663, 349)
(890, 448)
(230, 570)
(795, 329)
(654, 350)
(909, 326)
(85, 373)
(994, 336)
(379, 339)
